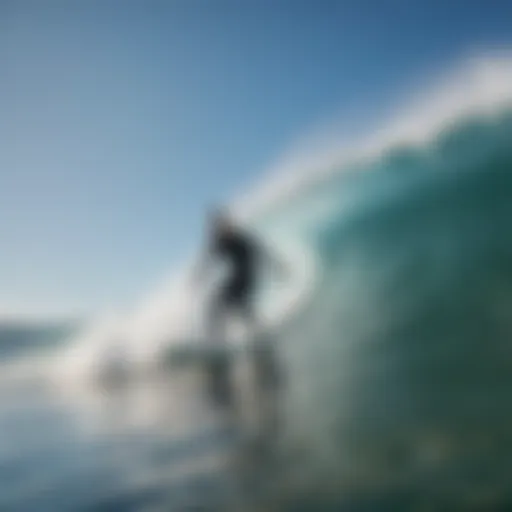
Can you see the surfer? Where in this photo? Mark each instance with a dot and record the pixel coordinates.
(235, 295)
(244, 255)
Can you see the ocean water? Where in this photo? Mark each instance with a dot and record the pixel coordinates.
(387, 388)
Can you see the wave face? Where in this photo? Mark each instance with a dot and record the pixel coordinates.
(403, 356)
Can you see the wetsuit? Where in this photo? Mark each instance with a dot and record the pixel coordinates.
(240, 251)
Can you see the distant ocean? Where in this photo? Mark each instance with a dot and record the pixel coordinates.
(396, 364)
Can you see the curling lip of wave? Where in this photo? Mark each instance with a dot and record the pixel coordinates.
(480, 86)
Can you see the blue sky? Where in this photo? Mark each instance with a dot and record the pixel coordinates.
(121, 121)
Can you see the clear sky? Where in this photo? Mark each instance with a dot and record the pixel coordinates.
(121, 121)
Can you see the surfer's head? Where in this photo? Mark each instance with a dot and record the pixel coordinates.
(220, 221)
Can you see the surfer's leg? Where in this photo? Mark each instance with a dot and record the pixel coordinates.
(240, 299)
(252, 325)
(219, 366)
(216, 319)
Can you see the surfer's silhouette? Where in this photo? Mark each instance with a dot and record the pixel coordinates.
(234, 296)
(245, 256)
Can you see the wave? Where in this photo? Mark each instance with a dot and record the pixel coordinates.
(409, 371)
(461, 122)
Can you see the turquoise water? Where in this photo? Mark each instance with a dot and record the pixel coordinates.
(396, 377)
(405, 347)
